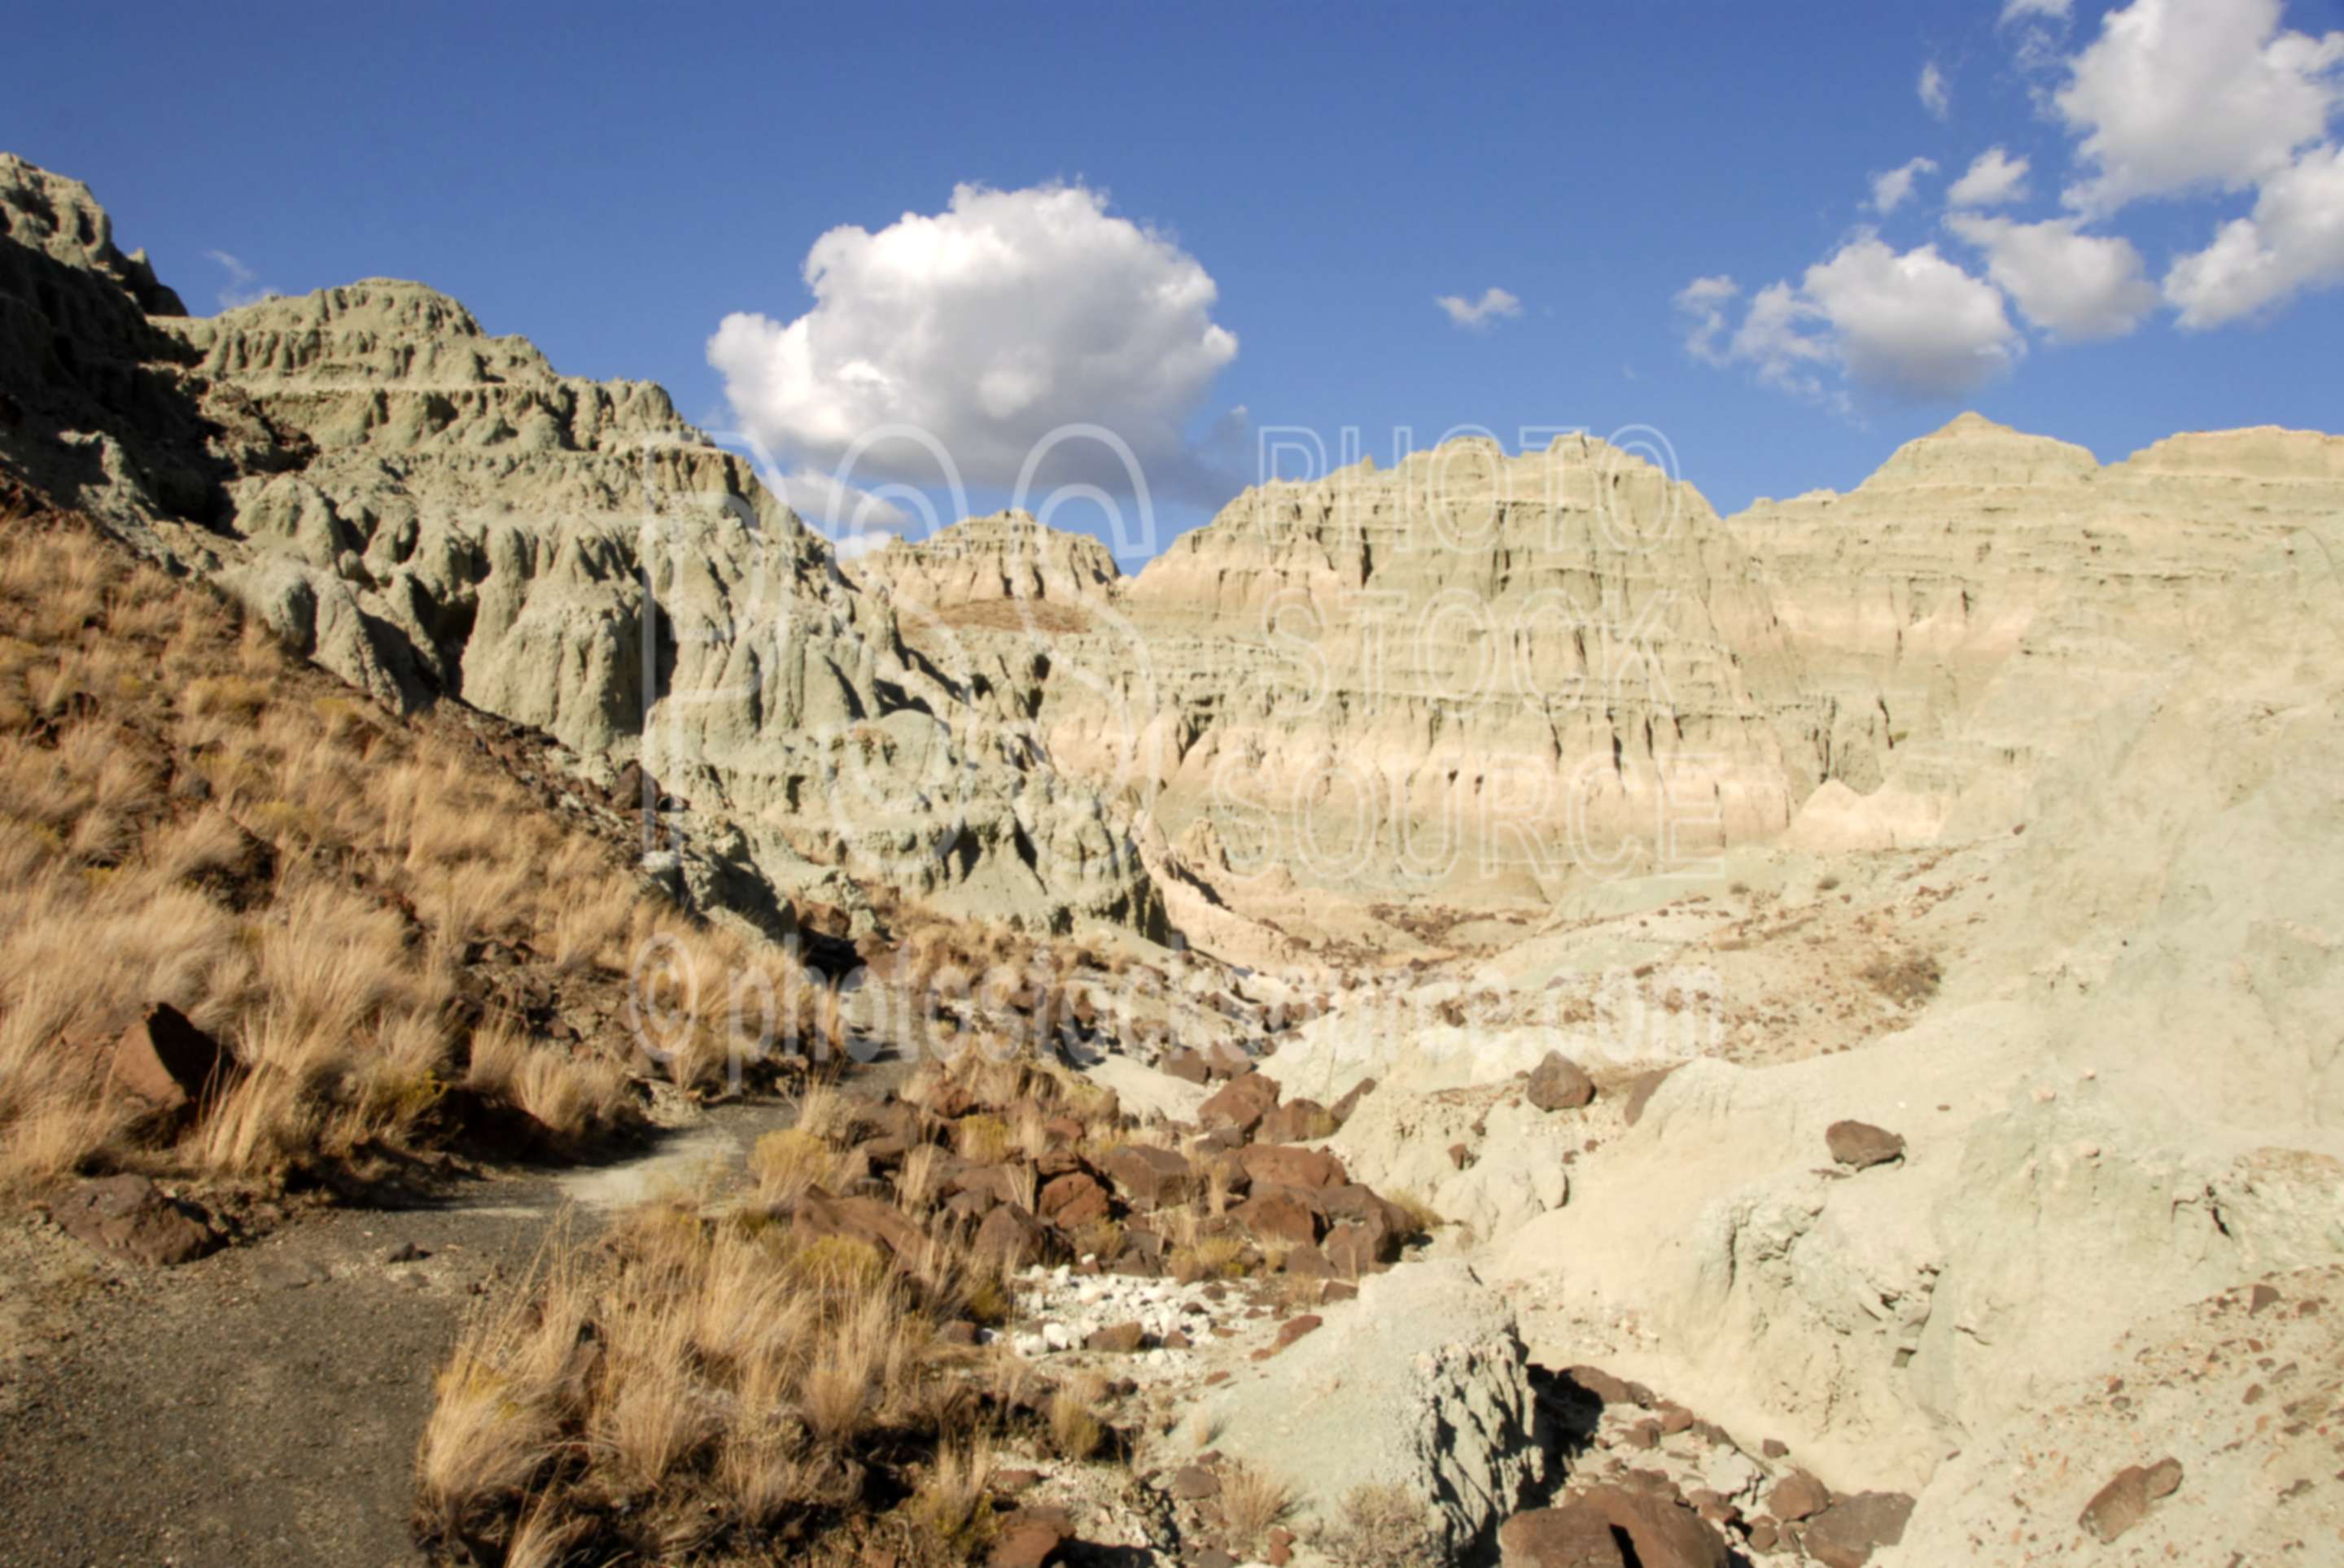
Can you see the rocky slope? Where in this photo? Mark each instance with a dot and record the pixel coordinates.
(1990, 805)
(425, 508)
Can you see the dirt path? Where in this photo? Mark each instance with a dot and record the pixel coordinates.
(262, 1405)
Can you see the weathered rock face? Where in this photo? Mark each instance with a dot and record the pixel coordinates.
(984, 561)
(1421, 1384)
(1470, 676)
(1957, 611)
(425, 508)
(86, 365)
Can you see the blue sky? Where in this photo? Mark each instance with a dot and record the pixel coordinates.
(615, 187)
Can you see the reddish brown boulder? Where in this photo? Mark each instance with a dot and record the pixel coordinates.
(1846, 1535)
(2124, 1502)
(1143, 1252)
(1119, 1339)
(129, 1217)
(1661, 1529)
(1859, 1145)
(1221, 1062)
(1240, 1104)
(1294, 1328)
(1016, 1238)
(1359, 1205)
(1797, 1496)
(1607, 1389)
(993, 1180)
(1558, 1083)
(1026, 1542)
(1147, 1177)
(1308, 1263)
(871, 1220)
(1283, 1165)
(1354, 1250)
(1276, 1216)
(1571, 1537)
(166, 1066)
(1187, 1065)
(1073, 1200)
(1193, 1484)
(970, 1206)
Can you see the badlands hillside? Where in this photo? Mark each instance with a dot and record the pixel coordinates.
(1527, 1020)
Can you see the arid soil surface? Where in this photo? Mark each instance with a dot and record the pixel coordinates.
(262, 1405)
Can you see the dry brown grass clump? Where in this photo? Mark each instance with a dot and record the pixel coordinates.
(1382, 1527)
(191, 814)
(706, 1381)
(1251, 1500)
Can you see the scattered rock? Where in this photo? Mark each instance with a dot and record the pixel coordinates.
(1796, 1496)
(1187, 1065)
(1661, 1529)
(1846, 1535)
(1073, 1200)
(1558, 1083)
(1296, 1121)
(1283, 1165)
(1277, 1217)
(128, 1216)
(1147, 1177)
(2124, 1502)
(1194, 1482)
(1572, 1536)
(1859, 1145)
(168, 1066)
(1240, 1104)
(1014, 1236)
(1028, 1542)
(1120, 1338)
(1295, 1328)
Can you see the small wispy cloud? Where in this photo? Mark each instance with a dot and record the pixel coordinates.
(1894, 188)
(1474, 314)
(243, 286)
(1936, 93)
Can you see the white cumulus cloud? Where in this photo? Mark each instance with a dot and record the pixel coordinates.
(2293, 242)
(1995, 178)
(2078, 287)
(1936, 93)
(1910, 323)
(1894, 188)
(1913, 324)
(1494, 305)
(2181, 95)
(1007, 319)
